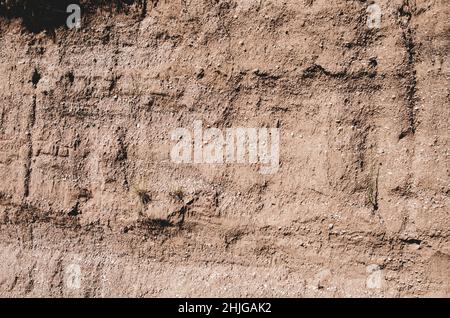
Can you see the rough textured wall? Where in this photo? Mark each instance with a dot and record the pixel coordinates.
(359, 206)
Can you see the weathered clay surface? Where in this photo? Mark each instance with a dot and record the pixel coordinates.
(359, 206)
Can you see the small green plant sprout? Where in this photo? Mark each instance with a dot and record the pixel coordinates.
(143, 195)
(177, 194)
(372, 190)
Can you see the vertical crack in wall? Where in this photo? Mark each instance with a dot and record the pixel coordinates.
(122, 158)
(2, 119)
(404, 18)
(411, 88)
(412, 80)
(143, 10)
(29, 140)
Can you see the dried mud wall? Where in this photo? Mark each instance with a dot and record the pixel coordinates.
(91, 203)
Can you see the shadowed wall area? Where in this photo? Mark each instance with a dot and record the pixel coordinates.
(38, 15)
